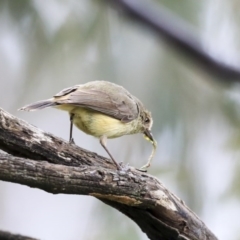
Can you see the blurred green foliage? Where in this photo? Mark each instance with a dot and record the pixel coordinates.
(56, 44)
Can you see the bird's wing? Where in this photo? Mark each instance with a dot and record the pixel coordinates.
(117, 103)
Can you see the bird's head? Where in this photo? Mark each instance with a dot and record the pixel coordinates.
(146, 122)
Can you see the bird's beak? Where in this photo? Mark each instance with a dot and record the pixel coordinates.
(148, 135)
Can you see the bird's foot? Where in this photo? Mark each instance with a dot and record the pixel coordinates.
(125, 167)
(141, 170)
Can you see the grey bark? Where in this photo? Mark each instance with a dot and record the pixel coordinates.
(41, 160)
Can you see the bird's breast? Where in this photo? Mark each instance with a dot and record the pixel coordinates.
(98, 124)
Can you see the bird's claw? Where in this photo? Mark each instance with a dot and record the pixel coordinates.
(142, 169)
(71, 141)
(124, 167)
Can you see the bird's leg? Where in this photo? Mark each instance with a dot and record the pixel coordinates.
(71, 129)
(103, 141)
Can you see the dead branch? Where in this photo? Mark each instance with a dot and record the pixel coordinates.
(40, 160)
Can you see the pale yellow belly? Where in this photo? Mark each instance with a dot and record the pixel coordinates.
(97, 124)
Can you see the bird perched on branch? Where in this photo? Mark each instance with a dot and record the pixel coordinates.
(104, 110)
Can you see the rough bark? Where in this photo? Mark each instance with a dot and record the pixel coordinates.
(43, 161)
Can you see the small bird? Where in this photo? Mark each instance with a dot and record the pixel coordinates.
(104, 110)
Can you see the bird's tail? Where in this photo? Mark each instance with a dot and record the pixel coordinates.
(38, 105)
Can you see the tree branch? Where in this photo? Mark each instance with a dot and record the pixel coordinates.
(179, 34)
(157, 211)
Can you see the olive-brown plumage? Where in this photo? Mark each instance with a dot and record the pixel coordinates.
(101, 109)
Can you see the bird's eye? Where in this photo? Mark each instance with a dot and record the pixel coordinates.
(147, 120)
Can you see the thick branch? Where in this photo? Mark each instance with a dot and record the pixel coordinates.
(90, 180)
(130, 188)
(179, 34)
(159, 213)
